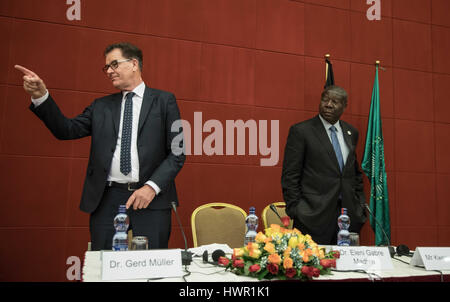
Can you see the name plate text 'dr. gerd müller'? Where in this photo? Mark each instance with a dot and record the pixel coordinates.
(145, 264)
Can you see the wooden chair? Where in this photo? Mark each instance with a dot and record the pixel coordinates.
(218, 222)
(269, 217)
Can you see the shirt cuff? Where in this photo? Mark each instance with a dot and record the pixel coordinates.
(154, 186)
(40, 100)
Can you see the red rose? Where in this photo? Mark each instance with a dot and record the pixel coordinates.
(327, 263)
(332, 262)
(254, 268)
(272, 268)
(291, 272)
(223, 261)
(336, 254)
(315, 272)
(307, 271)
(238, 263)
(286, 220)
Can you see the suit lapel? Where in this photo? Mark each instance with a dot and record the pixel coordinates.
(324, 139)
(347, 133)
(115, 111)
(146, 105)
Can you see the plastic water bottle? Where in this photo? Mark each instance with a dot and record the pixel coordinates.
(121, 223)
(252, 225)
(343, 237)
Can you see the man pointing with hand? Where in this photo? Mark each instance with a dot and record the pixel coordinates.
(131, 160)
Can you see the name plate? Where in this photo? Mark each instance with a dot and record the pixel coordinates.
(143, 264)
(366, 258)
(433, 258)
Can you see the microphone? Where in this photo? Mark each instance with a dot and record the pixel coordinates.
(391, 248)
(215, 256)
(274, 209)
(186, 256)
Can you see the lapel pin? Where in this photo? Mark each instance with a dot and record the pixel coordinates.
(349, 133)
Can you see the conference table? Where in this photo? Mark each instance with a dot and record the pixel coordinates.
(199, 271)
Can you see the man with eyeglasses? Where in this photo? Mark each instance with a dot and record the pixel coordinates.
(130, 159)
(320, 172)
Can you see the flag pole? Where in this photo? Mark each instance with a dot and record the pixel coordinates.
(378, 63)
(327, 59)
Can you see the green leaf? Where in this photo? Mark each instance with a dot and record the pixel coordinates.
(262, 274)
(247, 267)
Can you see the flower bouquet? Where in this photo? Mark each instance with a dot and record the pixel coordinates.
(281, 253)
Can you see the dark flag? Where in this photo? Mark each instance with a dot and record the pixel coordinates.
(329, 76)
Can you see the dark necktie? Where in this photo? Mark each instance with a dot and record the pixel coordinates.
(125, 145)
(337, 147)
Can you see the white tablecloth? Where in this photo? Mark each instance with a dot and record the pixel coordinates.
(204, 272)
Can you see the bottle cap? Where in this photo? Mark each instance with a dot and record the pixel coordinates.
(252, 209)
(344, 211)
(122, 208)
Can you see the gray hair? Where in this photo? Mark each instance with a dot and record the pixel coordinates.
(335, 92)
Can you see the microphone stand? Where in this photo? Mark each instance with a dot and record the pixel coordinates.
(186, 256)
(391, 248)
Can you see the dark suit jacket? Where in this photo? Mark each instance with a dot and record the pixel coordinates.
(312, 181)
(101, 121)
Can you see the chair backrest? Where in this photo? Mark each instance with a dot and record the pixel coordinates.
(269, 217)
(218, 223)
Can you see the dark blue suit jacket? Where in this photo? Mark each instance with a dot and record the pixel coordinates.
(101, 121)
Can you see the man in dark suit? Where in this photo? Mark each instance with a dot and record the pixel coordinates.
(320, 172)
(131, 160)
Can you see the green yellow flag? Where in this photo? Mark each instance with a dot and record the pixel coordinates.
(374, 167)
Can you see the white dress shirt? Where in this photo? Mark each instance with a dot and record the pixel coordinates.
(114, 172)
(339, 134)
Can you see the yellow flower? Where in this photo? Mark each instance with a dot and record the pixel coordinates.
(308, 239)
(269, 247)
(238, 252)
(275, 228)
(287, 252)
(252, 246)
(253, 250)
(274, 258)
(301, 246)
(305, 257)
(288, 263)
(293, 242)
(260, 237)
(316, 251)
(297, 232)
(268, 232)
(321, 254)
(255, 253)
(301, 239)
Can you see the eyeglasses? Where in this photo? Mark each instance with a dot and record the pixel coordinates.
(114, 65)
